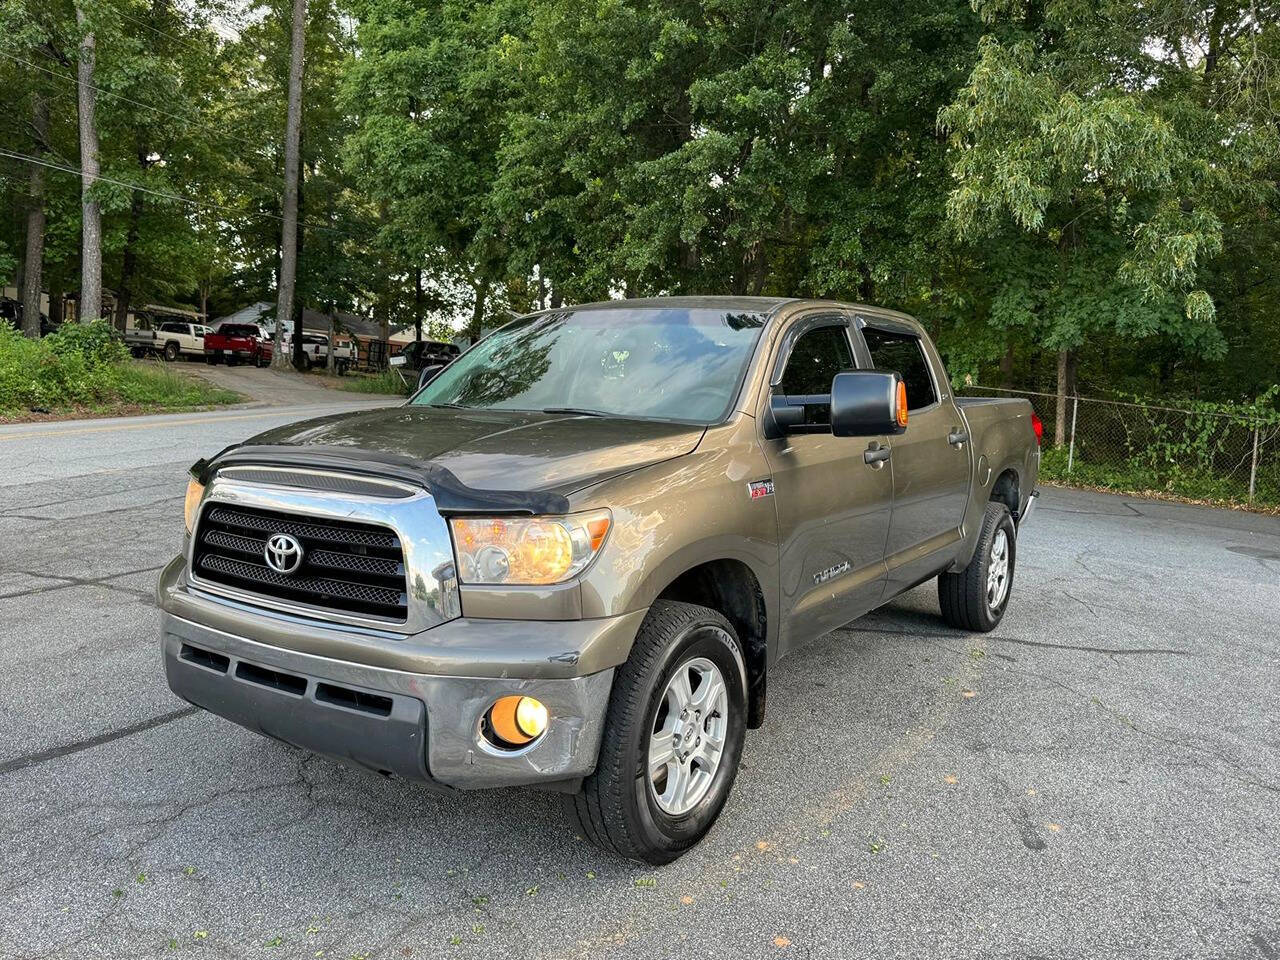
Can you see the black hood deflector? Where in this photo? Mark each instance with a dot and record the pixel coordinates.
(451, 495)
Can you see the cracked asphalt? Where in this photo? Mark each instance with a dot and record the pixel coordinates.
(1099, 777)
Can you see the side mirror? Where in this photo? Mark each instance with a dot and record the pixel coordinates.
(868, 403)
(428, 374)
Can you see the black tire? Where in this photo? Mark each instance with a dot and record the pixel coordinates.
(212, 359)
(616, 808)
(171, 352)
(963, 596)
(138, 354)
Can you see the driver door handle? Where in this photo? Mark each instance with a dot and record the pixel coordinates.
(957, 437)
(876, 455)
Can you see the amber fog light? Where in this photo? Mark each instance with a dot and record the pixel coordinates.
(516, 721)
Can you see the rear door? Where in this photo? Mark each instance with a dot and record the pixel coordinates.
(833, 507)
(931, 470)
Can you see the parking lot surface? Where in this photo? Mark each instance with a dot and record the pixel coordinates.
(1099, 777)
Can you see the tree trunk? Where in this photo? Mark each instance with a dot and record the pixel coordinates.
(1064, 388)
(292, 150)
(333, 338)
(299, 348)
(417, 305)
(1006, 367)
(34, 261)
(477, 311)
(90, 170)
(130, 263)
(56, 293)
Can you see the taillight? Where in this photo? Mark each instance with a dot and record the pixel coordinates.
(1038, 426)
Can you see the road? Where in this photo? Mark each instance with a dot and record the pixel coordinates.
(1099, 777)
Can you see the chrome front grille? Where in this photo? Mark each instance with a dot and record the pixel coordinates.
(379, 558)
(349, 566)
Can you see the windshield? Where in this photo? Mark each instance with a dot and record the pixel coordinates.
(665, 363)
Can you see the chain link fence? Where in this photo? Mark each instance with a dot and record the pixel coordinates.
(1197, 454)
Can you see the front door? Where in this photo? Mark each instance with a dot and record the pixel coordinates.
(833, 507)
(930, 472)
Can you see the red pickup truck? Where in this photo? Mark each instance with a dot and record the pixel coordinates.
(234, 342)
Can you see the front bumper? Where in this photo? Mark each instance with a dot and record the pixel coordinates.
(364, 707)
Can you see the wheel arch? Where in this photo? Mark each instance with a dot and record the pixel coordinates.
(731, 587)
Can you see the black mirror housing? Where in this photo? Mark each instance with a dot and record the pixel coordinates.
(428, 374)
(864, 403)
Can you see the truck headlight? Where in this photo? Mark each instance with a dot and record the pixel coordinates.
(195, 490)
(527, 550)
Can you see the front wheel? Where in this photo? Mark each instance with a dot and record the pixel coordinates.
(673, 737)
(977, 596)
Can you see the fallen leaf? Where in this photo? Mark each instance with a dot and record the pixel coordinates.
(858, 886)
(969, 693)
(781, 942)
(762, 845)
(1053, 826)
(1031, 793)
(686, 899)
(951, 779)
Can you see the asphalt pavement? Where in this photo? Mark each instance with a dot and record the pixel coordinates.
(1099, 777)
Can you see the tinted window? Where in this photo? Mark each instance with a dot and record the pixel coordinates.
(815, 360)
(903, 353)
(238, 330)
(173, 327)
(665, 363)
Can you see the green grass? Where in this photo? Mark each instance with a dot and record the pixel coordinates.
(84, 368)
(1132, 475)
(386, 382)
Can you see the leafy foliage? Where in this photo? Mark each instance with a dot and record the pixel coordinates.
(1027, 178)
(86, 366)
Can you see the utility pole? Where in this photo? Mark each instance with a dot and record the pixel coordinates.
(292, 149)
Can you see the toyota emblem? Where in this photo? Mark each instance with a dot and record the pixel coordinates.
(283, 553)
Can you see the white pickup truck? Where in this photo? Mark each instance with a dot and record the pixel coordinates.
(170, 339)
(315, 347)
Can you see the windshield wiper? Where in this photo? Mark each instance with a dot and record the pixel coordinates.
(449, 406)
(578, 411)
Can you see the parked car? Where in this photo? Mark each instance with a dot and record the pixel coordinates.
(575, 558)
(142, 338)
(315, 349)
(421, 356)
(11, 315)
(233, 343)
(179, 338)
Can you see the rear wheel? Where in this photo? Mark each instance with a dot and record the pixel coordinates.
(672, 739)
(171, 352)
(977, 596)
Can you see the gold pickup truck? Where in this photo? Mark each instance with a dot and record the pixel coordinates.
(574, 558)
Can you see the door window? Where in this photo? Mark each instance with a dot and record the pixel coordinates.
(817, 356)
(903, 353)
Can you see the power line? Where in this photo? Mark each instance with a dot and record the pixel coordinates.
(137, 103)
(212, 26)
(160, 33)
(173, 196)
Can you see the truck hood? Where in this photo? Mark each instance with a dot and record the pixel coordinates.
(501, 450)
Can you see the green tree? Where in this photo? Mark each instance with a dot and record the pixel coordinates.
(1086, 130)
